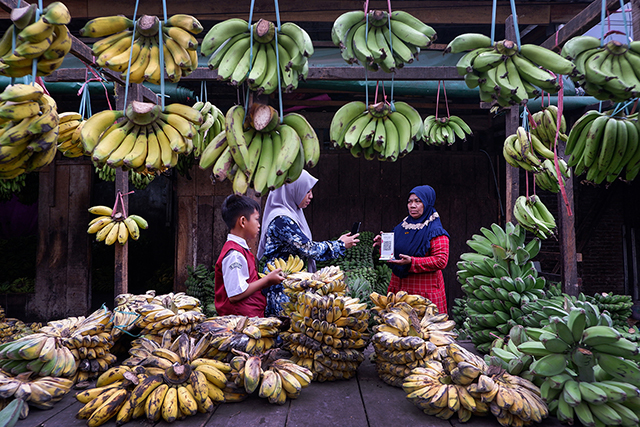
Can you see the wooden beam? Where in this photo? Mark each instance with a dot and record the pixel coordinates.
(512, 121)
(567, 235)
(580, 23)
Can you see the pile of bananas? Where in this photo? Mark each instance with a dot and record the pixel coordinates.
(497, 279)
(533, 216)
(177, 312)
(111, 226)
(534, 314)
(46, 40)
(70, 126)
(124, 311)
(606, 72)
(263, 157)
(328, 335)
(618, 306)
(507, 74)
(382, 131)
(384, 303)
(9, 187)
(252, 335)
(146, 138)
(12, 329)
(29, 130)
(589, 370)
(505, 354)
(444, 130)
(241, 52)
(13, 411)
(187, 385)
(604, 146)
(40, 392)
(40, 353)
(275, 379)
(140, 181)
(326, 281)
(212, 125)
(137, 54)
(379, 40)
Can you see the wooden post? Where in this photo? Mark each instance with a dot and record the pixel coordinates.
(512, 121)
(567, 236)
(635, 17)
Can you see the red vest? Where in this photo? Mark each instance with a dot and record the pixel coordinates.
(254, 304)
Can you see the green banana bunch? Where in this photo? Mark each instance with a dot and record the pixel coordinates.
(29, 130)
(143, 138)
(140, 181)
(545, 127)
(264, 154)
(505, 354)
(68, 142)
(383, 131)
(498, 279)
(212, 125)
(618, 306)
(9, 187)
(379, 40)
(46, 41)
(534, 216)
(607, 72)
(444, 130)
(604, 146)
(137, 55)
(259, 54)
(506, 74)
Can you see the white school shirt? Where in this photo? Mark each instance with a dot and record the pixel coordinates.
(235, 269)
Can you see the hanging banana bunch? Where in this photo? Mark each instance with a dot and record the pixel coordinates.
(546, 125)
(376, 131)
(121, 44)
(604, 146)
(68, 142)
(506, 74)
(444, 130)
(112, 226)
(29, 130)
(379, 40)
(548, 179)
(9, 187)
(261, 152)
(140, 181)
(533, 216)
(606, 72)
(212, 125)
(46, 40)
(241, 52)
(144, 137)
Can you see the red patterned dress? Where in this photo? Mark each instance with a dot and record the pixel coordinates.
(425, 274)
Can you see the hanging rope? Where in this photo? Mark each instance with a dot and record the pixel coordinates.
(126, 87)
(494, 9)
(515, 22)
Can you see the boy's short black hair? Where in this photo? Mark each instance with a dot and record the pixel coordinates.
(235, 206)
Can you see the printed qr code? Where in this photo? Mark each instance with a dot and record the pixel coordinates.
(386, 246)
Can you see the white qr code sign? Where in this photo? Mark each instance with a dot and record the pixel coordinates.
(386, 248)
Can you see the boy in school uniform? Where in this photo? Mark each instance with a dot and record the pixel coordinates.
(237, 285)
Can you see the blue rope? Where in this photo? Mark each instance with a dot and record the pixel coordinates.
(525, 119)
(34, 63)
(493, 21)
(126, 88)
(603, 13)
(515, 22)
(624, 20)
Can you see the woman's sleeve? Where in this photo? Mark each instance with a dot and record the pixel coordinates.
(293, 241)
(437, 259)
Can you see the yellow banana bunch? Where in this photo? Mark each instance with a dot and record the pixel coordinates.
(111, 227)
(240, 333)
(444, 130)
(380, 131)
(507, 74)
(293, 264)
(241, 52)
(326, 281)
(143, 138)
(70, 126)
(177, 312)
(47, 40)
(379, 40)
(138, 53)
(265, 155)
(39, 392)
(28, 131)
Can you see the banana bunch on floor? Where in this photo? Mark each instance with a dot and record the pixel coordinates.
(29, 130)
(212, 125)
(70, 126)
(590, 371)
(507, 74)
(422, 305)
(111, 226)
(12, 329)
(618, 306)
(41, 353)
(39, 392)
(256, 54)
(260, 152)
(328, 335)
(606, 72)
(604, 146)
(293, 264)
(9, 187)
(144, 137)
(497, 279)
(274, 378)
(47, 40)
(177, 312)
(379, 40)
(251, 335)
(137, 53)
(383, 131)
(124, 311)
(533, 216)
(444, 130)
(140, 181)
(505, 354)
(328, 280)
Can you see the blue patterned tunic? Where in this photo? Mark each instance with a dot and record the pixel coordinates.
(285, 237)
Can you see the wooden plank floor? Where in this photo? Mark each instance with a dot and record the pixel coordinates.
(361, 401)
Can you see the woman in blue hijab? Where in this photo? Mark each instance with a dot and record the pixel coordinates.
(421, 250)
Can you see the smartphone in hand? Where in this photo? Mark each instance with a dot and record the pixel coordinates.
(355, 228)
